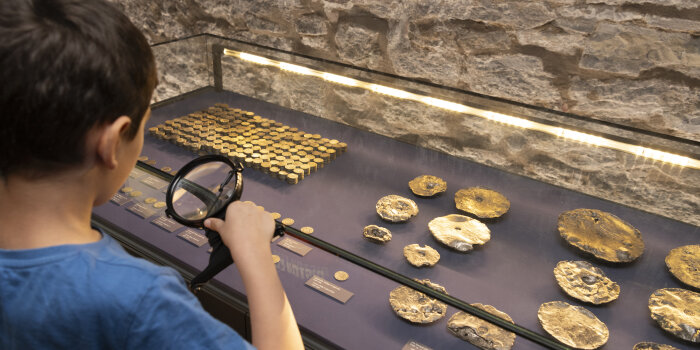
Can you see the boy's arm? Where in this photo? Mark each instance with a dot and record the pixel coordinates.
(247, 232)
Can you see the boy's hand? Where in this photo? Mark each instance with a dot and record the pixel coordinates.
(247, 231)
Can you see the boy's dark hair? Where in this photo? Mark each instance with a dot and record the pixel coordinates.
(66, 66)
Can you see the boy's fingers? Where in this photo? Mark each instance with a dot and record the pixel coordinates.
(213, 224)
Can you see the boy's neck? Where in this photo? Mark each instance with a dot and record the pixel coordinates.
(47, 212)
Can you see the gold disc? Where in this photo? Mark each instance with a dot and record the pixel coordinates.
(288, 221)
(427, 185)
(127, 189)
(602, 234)
(150, 200)
(135, 193)
(166, 169)
(483, 203)
(276, 216)
(574, 326)
(275, 258)
(307, 229)
(159, 205)
(341, 275)
(684, 263)
(677, 311)
(395, 208)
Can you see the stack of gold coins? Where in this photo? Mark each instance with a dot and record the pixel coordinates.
(281, 151)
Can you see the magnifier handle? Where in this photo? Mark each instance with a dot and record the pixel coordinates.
(219, 259)
(279, 229)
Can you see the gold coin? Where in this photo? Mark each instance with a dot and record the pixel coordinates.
(275, 258)
(427, 185)
(159, 205)
(135, 193)
(341, 275)
(288, 221)
(127, 189)
(307, 229)
(276, 215)
(150, 200)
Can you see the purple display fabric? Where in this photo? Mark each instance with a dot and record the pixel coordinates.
(512, 272)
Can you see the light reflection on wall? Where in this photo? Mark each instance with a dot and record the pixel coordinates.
(571, 135)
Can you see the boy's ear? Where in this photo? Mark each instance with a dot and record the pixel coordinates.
(110, 138)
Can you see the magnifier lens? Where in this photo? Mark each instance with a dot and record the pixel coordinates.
(203, 190)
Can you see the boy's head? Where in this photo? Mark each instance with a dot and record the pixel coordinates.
(66, 67)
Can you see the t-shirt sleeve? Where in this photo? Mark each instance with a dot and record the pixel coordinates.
(168, 316)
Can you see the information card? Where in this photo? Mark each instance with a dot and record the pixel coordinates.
(294, 246)
(193, 237)
(167, 224)
(142, 210)
(340, 294)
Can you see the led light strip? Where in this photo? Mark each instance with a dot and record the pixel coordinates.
(460, 108)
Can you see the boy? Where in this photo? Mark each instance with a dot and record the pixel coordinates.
(77, 78)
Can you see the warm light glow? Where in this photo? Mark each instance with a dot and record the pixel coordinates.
(389, 91)
(460, 108)
(339, 79)
(455, 107)
(295, 69)
(255, 59)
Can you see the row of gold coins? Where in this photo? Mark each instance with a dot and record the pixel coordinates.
(283, 152)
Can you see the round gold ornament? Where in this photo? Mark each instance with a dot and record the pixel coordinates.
(395, 208)
(483, 203)
(684, 263)
(602, 234)
(427, 185)
(574, 326)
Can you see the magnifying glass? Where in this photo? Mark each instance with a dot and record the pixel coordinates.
(202, 189)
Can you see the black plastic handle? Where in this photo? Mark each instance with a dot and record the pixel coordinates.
(220, 257)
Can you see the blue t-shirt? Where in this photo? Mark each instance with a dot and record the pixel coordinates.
(96, 296)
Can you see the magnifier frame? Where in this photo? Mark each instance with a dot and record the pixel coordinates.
(180, 175)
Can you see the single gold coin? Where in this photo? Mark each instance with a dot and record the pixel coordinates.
(135, 193)
(166, 169)
(127, 189)
(288, 221)
(159, 205)
(341, 275)
(307, 229)
(275, 258)
(276, 215)
(150, 200)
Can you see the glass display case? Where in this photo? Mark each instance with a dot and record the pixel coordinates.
(322, 143)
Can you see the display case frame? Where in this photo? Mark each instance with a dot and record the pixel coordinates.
(390, 145)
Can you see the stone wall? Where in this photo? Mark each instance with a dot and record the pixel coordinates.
(633, 62)
(629, 62)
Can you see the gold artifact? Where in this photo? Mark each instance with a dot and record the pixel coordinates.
(585, 282)
(307, 229)
(677, 311)
(480, 333)
(159, 205)
(288, 221)
(421, 256)
(684, 263)
(574, 326)
(276, 216)
(459, 232)
(427, 185)
(395, 208)
(135, 193)
(341, 275)
(483, 203)
(602, 234)
(377, 234)
(166, 169)
(653, 346)
(127, 189)
(415, 306)
(250, 139)
(150, 200)
(275, 259)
